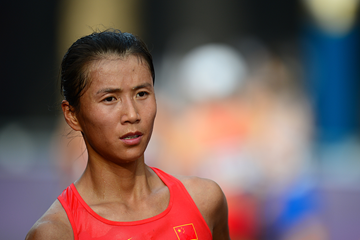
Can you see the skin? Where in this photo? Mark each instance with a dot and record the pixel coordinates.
(116, 183)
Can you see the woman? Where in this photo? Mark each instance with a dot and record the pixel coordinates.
(107, 79)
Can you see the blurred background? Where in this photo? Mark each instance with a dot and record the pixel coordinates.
(260, 96)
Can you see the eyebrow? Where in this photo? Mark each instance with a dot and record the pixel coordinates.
(145, 85)
(114, 90)
(108, 90)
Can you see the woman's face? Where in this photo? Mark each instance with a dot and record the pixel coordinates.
(118, 109)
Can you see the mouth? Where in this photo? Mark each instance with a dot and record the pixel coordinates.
(132, 138)
(131, 135)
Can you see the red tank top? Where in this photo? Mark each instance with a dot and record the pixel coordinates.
(181, 220)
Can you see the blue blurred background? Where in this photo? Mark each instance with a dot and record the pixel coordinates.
(260, 96)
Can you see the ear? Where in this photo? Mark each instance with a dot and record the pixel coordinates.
(70, 116)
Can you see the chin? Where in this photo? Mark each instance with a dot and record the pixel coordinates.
(129, 158)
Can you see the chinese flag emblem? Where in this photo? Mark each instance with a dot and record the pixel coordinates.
(186, 232)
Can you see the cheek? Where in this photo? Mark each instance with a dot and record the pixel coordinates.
(148, 116)
(152, 113)
(93, 119)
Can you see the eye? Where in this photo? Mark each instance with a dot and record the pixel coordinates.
(109, 99)
(142, 94)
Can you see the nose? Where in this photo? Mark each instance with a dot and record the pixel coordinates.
(130, 112)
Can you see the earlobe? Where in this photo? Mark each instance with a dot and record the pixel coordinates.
(70, 115)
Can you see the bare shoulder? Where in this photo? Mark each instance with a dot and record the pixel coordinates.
(54, 224)
(203, 191)
(211, 201)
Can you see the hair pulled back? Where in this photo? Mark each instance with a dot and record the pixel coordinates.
(97, 46)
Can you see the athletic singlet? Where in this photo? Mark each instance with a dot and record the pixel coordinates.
(181, 220)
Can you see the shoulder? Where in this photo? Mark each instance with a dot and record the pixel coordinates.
(203, 191)
(211, 201)
(54, 224)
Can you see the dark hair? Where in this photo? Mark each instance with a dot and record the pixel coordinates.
(96, 46)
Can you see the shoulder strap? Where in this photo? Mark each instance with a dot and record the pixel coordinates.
(176, 187)
(67, 200)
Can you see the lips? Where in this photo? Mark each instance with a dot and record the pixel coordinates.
(132, 138)
(131, 135)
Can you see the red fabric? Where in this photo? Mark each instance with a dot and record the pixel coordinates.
(185, 232)
(180, 221)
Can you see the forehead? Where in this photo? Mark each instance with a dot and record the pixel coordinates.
(114, 62)
(112, 67)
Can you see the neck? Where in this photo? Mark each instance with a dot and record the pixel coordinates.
(105, 181)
